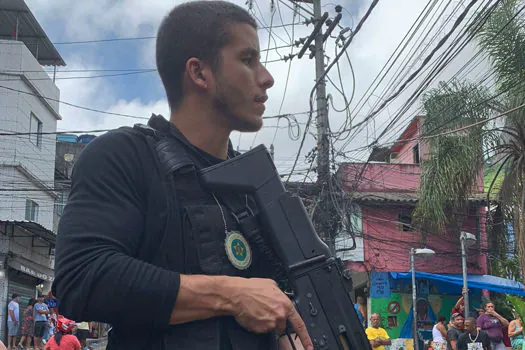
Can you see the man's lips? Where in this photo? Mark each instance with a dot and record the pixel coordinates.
(261, 99)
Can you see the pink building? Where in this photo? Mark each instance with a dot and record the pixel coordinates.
(384, 195)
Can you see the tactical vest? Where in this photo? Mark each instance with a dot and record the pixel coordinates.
(193, 243)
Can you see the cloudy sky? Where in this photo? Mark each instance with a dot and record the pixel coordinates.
(67, 21)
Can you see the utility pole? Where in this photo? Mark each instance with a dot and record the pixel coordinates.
(325, 212)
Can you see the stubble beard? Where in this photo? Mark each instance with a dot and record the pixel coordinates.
(224, 103)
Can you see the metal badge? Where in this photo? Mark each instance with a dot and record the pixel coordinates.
(238, 250)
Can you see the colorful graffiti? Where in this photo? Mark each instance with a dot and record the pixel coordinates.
(396, 309)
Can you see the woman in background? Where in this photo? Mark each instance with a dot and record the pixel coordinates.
(516, 333)
(27, 325)
(63, 338)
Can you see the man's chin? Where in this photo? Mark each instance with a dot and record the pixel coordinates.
(250, 125)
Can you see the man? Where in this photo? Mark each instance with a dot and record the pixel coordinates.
(13, 320)
(41, 323)
(455, 330)
(473, 338)
(360, 308)
(141, 233)
(459, 308)
(378, 336)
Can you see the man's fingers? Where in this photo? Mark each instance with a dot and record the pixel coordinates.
(298, 325)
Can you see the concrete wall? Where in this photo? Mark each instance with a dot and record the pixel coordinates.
(20, 72)
(381, 177)
(386, 246)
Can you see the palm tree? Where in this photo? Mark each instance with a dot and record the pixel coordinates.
(456, 159)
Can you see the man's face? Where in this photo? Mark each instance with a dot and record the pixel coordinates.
(241, 80)
(458, 322)
(375, 320)
(470, 326)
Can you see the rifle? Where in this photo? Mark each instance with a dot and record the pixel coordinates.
(321, 285)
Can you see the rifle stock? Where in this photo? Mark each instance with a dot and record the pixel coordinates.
(321, 285)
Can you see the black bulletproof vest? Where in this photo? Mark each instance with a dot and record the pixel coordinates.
(193, 243)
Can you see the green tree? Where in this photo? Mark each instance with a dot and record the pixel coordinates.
(456, 159)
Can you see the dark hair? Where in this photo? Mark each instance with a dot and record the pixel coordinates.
(484, 306)
(58, 337)
(442, 318)
(194, 29)
(456, 315)
(14, 295)
(471, 319)
(31, 302)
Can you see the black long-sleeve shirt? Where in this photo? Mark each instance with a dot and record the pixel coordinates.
(113, 213)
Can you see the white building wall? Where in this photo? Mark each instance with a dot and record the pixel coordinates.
(24, 166)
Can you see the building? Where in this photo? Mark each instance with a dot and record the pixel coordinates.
(29, 109)
(68, 148)
(383, 196)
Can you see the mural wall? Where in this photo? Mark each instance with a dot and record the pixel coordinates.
(393, 300)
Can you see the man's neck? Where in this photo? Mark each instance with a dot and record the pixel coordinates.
(474, 332)
(202, 128)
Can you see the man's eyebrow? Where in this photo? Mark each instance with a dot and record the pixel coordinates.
(250, 51)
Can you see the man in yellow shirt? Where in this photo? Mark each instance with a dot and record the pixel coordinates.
(378, 336)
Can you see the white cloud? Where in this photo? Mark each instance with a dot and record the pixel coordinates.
(369, 51)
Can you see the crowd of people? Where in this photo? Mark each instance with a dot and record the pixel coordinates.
(484, 332)
(42, 328)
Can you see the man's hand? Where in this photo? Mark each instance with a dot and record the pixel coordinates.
(260, 306)
(257, 304)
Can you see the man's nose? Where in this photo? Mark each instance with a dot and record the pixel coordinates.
(266, 79)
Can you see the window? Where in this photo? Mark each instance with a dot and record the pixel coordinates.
(31, 210)
(60, 203)
(405, 221)
(415, 153)
(35, 129)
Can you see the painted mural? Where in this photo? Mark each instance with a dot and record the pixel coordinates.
(432, 301)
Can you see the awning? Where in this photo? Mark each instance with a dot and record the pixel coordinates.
(33, 228)
(29, 31)
(31, 268)
(488, 282)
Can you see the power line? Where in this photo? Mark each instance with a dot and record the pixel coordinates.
(141, 37)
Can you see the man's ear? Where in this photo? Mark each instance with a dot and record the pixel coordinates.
(199, 72)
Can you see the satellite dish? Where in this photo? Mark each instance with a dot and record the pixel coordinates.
(68, 157)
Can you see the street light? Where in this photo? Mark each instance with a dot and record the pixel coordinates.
(466, 239)
(421, 253)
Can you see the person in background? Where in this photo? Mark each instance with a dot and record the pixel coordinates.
(63, 339)
(41, 312)
(360, 309)
(439, 334)
(493, 323)
(473, 338)
(455, 331)
(27, 325)
(516, 333)
(12, 321)
(459, 308)
(83, 333)
(377, 336)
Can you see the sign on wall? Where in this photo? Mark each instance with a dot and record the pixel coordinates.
(380, 285)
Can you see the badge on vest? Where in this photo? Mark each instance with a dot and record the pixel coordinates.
(238, 250)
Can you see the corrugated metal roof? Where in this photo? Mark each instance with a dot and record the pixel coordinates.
(35, 228)
(29, 31)
(404, 197)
